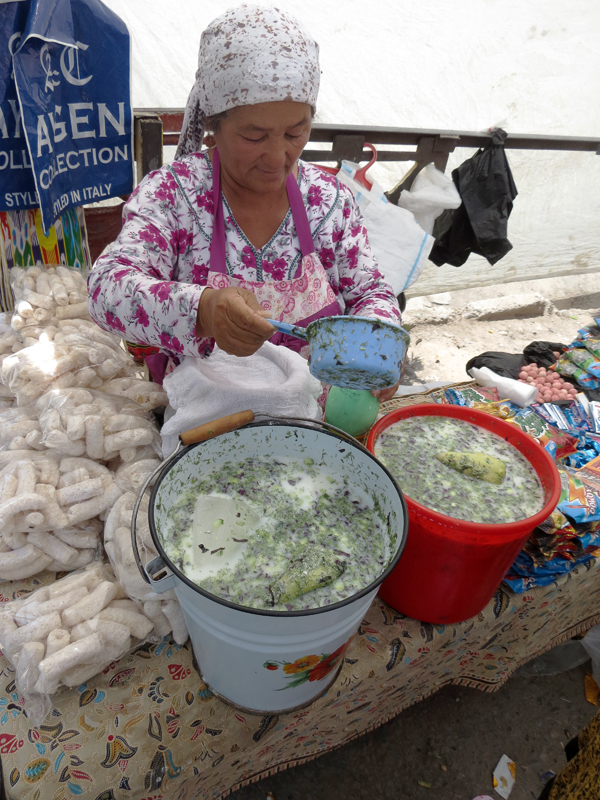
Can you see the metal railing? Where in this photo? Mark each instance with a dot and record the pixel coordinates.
(159, 127)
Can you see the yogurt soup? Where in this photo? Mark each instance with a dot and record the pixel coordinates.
(281, 535)
(460, 469)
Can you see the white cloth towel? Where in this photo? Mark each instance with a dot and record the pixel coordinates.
(274, 380)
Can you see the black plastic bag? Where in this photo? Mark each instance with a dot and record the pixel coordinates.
(510, 364)
(480, 224)
(542, 353)
(506, 364)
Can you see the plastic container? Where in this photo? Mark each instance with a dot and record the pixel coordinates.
(451, 568)
(352, 410)
(242, 652)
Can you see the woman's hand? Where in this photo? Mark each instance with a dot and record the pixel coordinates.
(234, 318)
(385, 394)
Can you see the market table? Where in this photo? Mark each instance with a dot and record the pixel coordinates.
(149, 728)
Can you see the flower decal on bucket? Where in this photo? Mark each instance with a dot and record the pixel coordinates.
(309, 668)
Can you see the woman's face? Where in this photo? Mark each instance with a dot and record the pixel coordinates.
(259, 145)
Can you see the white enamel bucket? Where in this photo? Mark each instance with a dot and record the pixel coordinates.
(259, 660)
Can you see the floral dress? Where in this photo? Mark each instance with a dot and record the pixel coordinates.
(146, 286)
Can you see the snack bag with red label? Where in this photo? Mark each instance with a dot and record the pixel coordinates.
(578, 501)
(543, 433)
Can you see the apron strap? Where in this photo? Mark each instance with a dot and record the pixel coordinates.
(217, 244)
(307, 245)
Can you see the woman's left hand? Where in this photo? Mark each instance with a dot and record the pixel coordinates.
(385, 394)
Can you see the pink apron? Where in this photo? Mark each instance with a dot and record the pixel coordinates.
(301, 300)
(304, 298)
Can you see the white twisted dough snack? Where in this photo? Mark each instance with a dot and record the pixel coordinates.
(98, 426)
(163, 609)
(69, 631)
(72, 358)
(50, 511)
(59, 291)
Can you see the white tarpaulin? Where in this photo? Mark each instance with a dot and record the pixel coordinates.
(530, 67)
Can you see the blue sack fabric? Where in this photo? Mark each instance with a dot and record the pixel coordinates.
(65, 96)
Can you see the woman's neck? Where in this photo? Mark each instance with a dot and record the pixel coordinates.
(259, 215)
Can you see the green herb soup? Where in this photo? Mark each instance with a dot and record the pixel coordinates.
(414, 451)
(281, 535)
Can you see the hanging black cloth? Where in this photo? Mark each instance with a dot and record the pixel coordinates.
(480, 224)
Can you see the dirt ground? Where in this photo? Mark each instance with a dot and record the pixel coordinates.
(439, 352)
(454, 739)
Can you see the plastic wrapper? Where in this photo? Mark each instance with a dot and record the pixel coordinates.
(163, 609)
(51, 512)
(579, 501)
(20, 429)
(584, 359)
(544, 433)
(557, 522)
(65, 633)
(524, 574)
(592, 345)
(71, 359)
(130, 477)
(43, 296)
(544, 547)
(590, 331)
(145, 393)
(471, 396)
(92, 424)
(563, 657)
(565, 367)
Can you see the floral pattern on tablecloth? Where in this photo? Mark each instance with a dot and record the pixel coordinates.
(149, 728)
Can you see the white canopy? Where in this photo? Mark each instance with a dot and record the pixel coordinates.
(528, 67)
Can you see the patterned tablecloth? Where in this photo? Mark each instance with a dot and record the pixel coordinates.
(149, 728)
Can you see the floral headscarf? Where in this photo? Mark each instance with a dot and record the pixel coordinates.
(249, 55)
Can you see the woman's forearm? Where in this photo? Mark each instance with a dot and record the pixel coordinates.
(143, 309)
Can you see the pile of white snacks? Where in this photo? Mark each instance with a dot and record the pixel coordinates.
(77, 441)
(67, 632)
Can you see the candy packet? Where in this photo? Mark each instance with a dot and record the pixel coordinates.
(592, 345)
(579, 501)
(543, 547)
(591, 331)
(543, 432)
(565, 367)
(585, 359)
(557, 522)
(471, 395)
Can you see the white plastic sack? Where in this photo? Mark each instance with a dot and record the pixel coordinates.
(430, 194)
(274, 380)
(399, 244)
(521, 394)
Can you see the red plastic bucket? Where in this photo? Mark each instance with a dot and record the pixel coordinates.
(451, 568)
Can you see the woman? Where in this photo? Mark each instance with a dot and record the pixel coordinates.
(222, 239)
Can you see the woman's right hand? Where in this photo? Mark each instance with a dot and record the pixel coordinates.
(234, 318)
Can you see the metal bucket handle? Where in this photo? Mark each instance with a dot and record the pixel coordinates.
(156, 573)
